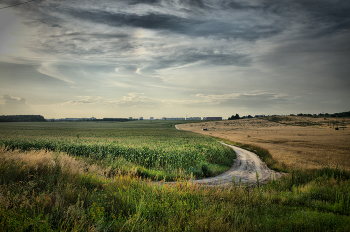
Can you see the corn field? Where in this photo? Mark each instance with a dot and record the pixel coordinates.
(160, 147)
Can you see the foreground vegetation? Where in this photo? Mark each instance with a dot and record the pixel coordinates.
(42, 191)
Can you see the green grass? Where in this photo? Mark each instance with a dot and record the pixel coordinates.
(53, 198)
(155, 148)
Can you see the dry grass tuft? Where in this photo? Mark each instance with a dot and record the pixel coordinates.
(37, 159)
(33, 159)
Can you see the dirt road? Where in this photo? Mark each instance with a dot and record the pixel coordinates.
(246, 167)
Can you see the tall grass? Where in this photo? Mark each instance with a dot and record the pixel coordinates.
(46, 191)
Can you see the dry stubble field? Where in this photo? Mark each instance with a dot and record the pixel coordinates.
(298, 142)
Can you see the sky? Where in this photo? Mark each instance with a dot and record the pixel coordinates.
(174, 58)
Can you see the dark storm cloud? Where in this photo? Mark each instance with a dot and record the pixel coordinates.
(193, 3)
(78, 35)
(334, 12)
(330, 16)
(149, 21)
(192, 23)
(312, 12)
(222, 19)
(58, 15)
(322, 9)
(183, 25)
(324, 17)
(326, 10)
(151, 2)
(239, 5)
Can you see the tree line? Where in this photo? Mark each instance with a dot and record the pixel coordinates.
(335, 115)
(22, 118)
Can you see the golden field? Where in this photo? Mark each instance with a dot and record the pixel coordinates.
(295, 141)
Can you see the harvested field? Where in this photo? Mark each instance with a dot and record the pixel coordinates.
(297, 142)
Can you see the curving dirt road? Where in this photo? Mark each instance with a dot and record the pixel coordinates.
(246, 165)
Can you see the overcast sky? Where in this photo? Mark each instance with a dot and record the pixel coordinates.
(172, 58)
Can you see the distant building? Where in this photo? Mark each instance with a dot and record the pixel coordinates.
(115, 119)
(72, 119)
(164, 118)
(151, 118)
(77, 119)
(194, 118)
(140, 118)
(212, 118)
(175, 119)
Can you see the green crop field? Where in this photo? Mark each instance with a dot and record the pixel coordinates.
(98, 177)
(154, 149)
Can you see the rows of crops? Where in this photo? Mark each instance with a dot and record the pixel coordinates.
(185, 157)
(160, 147)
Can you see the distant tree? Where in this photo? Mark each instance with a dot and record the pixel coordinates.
(233, 117)
(249, 116)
